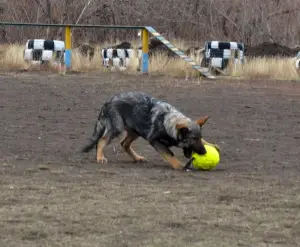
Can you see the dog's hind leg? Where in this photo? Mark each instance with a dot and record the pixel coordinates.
(114, 127)
(126, 144)
(168, 155)
(102, 143)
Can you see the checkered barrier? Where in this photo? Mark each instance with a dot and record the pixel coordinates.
(218, 54)
(181, 54)
(42, 51)
(119, 58)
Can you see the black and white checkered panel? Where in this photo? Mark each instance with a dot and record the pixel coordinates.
(224, 45)
(119, 57)
(42, 44)
(43, 50)
(217, 53)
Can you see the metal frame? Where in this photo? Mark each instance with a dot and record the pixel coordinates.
(67, 25)
(145, 42)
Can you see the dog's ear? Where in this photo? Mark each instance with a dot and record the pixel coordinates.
(183, 129)
(202, 120)
(180, 126)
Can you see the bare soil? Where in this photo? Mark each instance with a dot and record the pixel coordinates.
(268, 49)
(53, 195)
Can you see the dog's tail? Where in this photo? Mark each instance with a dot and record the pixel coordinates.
(98, 133)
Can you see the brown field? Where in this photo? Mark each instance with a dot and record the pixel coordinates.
(52, 195)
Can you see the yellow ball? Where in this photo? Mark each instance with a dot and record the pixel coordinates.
(206, 161)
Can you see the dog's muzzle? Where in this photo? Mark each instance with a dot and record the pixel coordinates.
(199, 148)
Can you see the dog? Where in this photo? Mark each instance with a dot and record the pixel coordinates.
(138, 114)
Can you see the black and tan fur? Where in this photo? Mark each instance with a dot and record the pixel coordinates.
(140, 115)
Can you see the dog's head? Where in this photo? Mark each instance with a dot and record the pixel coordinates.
(189, 136)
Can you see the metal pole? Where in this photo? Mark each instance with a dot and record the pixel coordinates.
(145, 50)
(68, 52)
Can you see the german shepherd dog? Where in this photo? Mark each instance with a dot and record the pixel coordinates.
(138, 114)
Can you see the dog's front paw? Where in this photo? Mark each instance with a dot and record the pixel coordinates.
(188, 165)
(140, 159)
(102, 160)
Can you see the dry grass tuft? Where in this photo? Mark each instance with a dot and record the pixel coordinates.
(273, 68)
(161, 64)
(266, 68)
(11, 57)
(43, 167)
(84, 64)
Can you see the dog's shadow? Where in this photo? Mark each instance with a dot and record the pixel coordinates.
(123, 161)
(161, 165)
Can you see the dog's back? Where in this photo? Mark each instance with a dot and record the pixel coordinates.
(139, 111)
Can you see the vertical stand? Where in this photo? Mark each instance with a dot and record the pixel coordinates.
(68, 52)
(145, 50)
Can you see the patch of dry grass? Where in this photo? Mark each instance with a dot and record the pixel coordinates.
(272, 68)
(162, 64)
(84, 64)
(11, 57)
(266, 68)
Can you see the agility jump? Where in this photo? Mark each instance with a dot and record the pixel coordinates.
(145, 40)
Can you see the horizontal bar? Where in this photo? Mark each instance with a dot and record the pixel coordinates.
(70, 25)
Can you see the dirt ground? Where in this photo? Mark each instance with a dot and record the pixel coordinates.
(53, 195)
